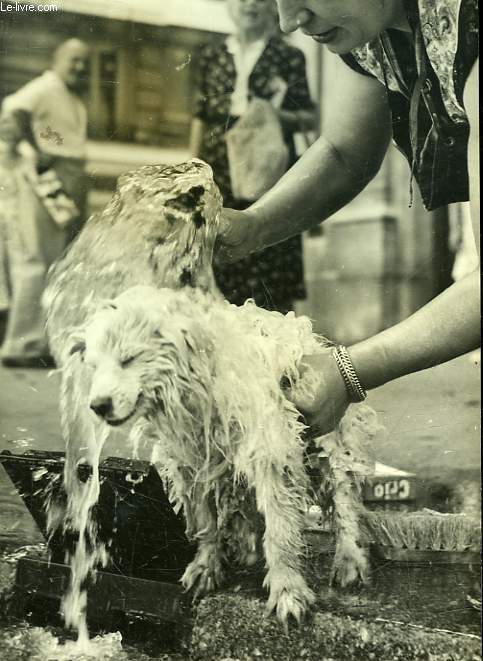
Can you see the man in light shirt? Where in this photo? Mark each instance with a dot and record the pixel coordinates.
(49, 135)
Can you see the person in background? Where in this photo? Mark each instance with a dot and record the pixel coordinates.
(7, 211)
(407, 70)
(42, 126)
(252, 62)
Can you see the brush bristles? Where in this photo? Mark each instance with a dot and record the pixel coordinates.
(424, 531)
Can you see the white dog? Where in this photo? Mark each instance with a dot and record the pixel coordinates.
(200, 380)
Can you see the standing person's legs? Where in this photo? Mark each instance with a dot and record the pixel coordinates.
(34, 242)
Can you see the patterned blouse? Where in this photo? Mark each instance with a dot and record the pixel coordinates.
(273, 277)
(425, 78)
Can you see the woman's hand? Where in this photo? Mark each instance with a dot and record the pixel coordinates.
(323, 402)
(236, 236)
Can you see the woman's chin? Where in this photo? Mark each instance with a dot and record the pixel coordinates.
(344, 42)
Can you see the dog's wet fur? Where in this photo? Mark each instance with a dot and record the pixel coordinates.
(146, 343)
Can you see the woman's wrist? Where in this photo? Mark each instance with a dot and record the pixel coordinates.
(370, 363)
(261, 228)
(354, 388)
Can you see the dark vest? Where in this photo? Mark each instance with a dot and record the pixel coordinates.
(425, 77)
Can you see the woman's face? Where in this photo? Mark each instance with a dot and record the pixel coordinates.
(340, 24)
(252, 14)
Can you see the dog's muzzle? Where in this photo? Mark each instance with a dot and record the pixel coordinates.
(104, 408)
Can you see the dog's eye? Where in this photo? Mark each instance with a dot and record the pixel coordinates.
(80, 347)
(127, 361)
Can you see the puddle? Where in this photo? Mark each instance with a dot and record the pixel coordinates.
(23, 642)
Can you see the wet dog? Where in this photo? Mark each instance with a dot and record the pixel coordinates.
(202, 380)
(146, 344)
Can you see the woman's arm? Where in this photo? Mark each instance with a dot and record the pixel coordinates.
(196, 136)
(355, 135)
(204, 55)
(471, 101)
(447, 327)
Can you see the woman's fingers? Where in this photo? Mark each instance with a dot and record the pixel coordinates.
(233, 241)
(320, 395)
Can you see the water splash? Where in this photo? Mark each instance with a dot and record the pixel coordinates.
(76, 517)
(38, 644)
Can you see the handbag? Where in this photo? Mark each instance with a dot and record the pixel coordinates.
(51, 193)
(257, 153)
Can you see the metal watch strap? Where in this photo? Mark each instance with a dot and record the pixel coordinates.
(353, 386)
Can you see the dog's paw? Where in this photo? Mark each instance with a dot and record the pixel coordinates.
(202, 577)
(289, 595)
(349, 569)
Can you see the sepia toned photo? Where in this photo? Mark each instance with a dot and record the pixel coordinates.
(240, 330)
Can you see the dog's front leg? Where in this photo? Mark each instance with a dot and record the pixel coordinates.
(204, 574)
(279, 499)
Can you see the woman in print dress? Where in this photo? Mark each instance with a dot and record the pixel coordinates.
(253, 62)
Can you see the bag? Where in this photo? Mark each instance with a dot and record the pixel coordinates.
(257, 153)
(50, 190)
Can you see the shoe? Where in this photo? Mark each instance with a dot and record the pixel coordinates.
(29, 362)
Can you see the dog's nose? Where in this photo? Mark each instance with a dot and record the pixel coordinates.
(102, 406)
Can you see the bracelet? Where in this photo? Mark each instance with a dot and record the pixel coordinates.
(353, 386)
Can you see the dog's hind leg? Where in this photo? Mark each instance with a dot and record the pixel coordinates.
(240, 524)
(204, 574)
(280, 501)
(348, 465)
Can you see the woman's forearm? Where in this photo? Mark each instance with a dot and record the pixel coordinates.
(319, 184)
(196, 136)
(446, 327)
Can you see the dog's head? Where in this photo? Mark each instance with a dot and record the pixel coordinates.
(141, 349)
(159, 228)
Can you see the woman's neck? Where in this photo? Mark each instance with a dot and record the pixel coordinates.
(247, 37)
